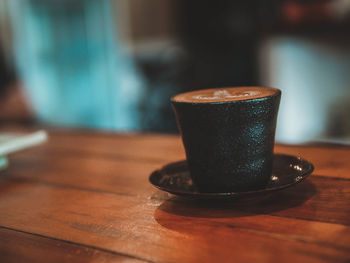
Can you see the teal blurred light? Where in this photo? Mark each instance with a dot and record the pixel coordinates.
(72, 63)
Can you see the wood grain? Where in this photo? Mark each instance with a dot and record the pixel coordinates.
(131, 179)
(151, 229)
(128, 178)
(17, 246)
(160, 149)
(86, 197)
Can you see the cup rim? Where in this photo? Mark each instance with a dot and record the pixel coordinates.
(277, 93)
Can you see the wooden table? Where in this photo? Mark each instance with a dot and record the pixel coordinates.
(85, 197)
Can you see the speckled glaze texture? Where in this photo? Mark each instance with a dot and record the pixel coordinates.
(229, 145)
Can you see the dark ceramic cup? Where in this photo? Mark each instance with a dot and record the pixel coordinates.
(228, 135)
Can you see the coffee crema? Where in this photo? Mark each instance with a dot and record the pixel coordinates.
(225, 94)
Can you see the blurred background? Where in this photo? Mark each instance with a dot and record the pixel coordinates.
(114, 64)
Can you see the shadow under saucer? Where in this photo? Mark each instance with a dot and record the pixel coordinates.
(277, 201)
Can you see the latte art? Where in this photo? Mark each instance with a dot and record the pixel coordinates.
(225, 94)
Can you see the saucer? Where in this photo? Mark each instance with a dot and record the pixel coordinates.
(175, 178)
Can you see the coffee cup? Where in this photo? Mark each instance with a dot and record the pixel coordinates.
(228, 135)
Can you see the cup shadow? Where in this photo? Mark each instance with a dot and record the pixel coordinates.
(175, 207)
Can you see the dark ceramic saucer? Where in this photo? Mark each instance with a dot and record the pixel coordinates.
(287, 171)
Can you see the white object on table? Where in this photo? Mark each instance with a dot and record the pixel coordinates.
(11, 142)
